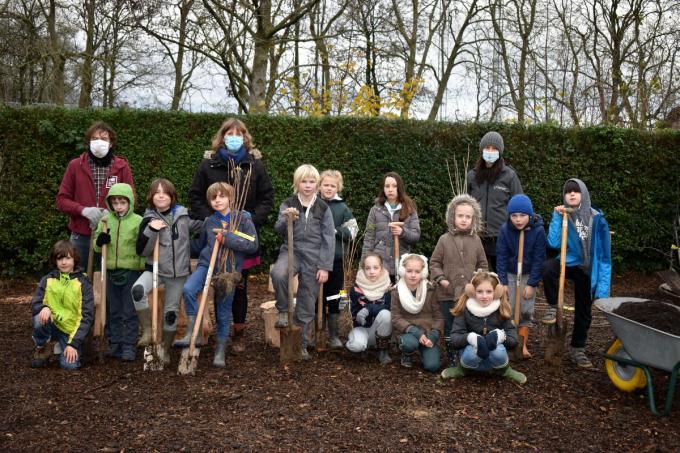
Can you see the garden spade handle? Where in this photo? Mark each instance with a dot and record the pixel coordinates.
(563, 264)
(396, 249)
(154, 296)
(518, 283)
(291, 257)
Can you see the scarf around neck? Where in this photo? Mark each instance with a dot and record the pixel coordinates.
(237, 157)
(410, 303)
(482, 312)
(374, 290)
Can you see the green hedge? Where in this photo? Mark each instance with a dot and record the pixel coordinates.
(632, 175)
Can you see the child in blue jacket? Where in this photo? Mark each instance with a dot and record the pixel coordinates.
(588, 260)
(522, 218)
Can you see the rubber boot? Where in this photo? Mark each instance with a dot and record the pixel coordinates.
(513, 375)
(305, 341)
(282, 321)
(166, 344)
(220, 348)
(186, 339)
(453, 372)
(382, 344)
(407, 359)
(238, 335)
(144, 316)
(333, 338)
(523, 332)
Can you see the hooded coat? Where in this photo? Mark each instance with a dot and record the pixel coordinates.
(458, 254)
(122, 251)
(507, 251)
(588, 242)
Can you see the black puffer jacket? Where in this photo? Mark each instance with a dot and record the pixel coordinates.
(467, 322)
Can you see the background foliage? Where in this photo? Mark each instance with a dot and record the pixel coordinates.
(632, 175)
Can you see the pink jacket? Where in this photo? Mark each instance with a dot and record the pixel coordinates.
(77, 190)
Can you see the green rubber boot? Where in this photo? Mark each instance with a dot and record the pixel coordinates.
(220, 348)
(512, 375)
(453, 372)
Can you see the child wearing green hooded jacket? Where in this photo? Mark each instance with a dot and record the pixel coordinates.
(123, 268)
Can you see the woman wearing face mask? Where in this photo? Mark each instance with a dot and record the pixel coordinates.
(86, 184)
(233, 154)
(492, 183)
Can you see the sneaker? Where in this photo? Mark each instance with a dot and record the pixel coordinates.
(453, 372)
(41, 355)
(128, 353)
(550, 316)
(305, 354)
(406, 360)
(282, 321)
(578, 355)
(113, 351)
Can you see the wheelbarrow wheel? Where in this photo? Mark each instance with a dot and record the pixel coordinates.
(625, 377)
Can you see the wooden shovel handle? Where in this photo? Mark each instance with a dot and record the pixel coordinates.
(319, 309)
(518, 283)
(154, 294)
(563, 266)
(102, 303)
(204, 297)
(396, 248)
(291, 257)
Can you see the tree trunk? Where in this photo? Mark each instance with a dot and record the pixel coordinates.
(86, 82)
(57, 57)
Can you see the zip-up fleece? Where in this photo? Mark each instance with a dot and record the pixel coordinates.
(458, 254)
(494, 197)
(467, 322)
(507, 249)
(70, 299)
(313, 234)
(174, 260)
(122, 251)
(378, 238)
(77, 189)
(239, 245)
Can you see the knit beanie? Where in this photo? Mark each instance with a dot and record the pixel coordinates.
(494, 139)
(520, 204)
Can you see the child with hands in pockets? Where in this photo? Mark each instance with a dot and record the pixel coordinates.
(416, 315)
(483, 329)
(370, 306)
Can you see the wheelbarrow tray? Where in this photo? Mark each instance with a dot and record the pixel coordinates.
(645, 344)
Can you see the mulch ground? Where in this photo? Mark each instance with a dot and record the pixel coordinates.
(335, 402)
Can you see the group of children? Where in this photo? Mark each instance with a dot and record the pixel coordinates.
(455, 300)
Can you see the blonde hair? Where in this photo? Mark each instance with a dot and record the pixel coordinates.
(232, 123)
(479, 278)
(302, 172)
(332, 174)
(220, 188)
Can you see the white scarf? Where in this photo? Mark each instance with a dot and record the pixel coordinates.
(482, 312)
(412, 304)
(374, 290)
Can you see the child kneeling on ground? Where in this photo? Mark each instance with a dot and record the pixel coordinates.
(483, 329)
(416, 314)
(370, 306)
(62, 308)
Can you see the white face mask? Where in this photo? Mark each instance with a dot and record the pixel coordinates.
(99, 148)
(490, 156)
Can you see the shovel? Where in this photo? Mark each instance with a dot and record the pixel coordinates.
(320, 328)
(101, 344)
(188, 362)
(518, 352)
(152, 353)
(557, 332)
(396, 250)
(291, 341)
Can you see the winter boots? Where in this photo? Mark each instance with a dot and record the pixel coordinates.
(523, 331)
(166, 344)
(382, 344)
(407, 359)
(333, 339)
(238, 337)
(144, 316)
(220, 348)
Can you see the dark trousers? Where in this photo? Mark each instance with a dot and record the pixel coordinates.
(335, 282)
(489, 244)
(239, 309)
(584, 301)
(122, 325)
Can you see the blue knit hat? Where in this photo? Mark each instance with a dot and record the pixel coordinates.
(520, 204)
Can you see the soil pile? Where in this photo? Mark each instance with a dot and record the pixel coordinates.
(658, 315)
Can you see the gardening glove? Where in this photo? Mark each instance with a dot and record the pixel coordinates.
(94, 215)
(103, 239)
(478, 342)
(415, 331)
(361, 316)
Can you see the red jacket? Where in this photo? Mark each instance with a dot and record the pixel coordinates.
(77, 190)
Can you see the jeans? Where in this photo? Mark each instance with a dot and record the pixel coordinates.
(409, 343)
(44, 333)
(498, 358)
(223, 303)
(360, 338)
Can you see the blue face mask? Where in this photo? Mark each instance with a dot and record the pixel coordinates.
(233, 142)
(490, 156)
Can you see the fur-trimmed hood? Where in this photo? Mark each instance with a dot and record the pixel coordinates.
(451, 209)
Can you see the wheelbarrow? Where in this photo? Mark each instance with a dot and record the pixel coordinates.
(636, 349)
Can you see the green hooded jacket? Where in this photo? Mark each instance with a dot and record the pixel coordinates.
(122, 251)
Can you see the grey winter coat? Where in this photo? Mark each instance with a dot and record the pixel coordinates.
(494, 197)
(458, 254)
(378, 239)
(174, 260)
(313, 235)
